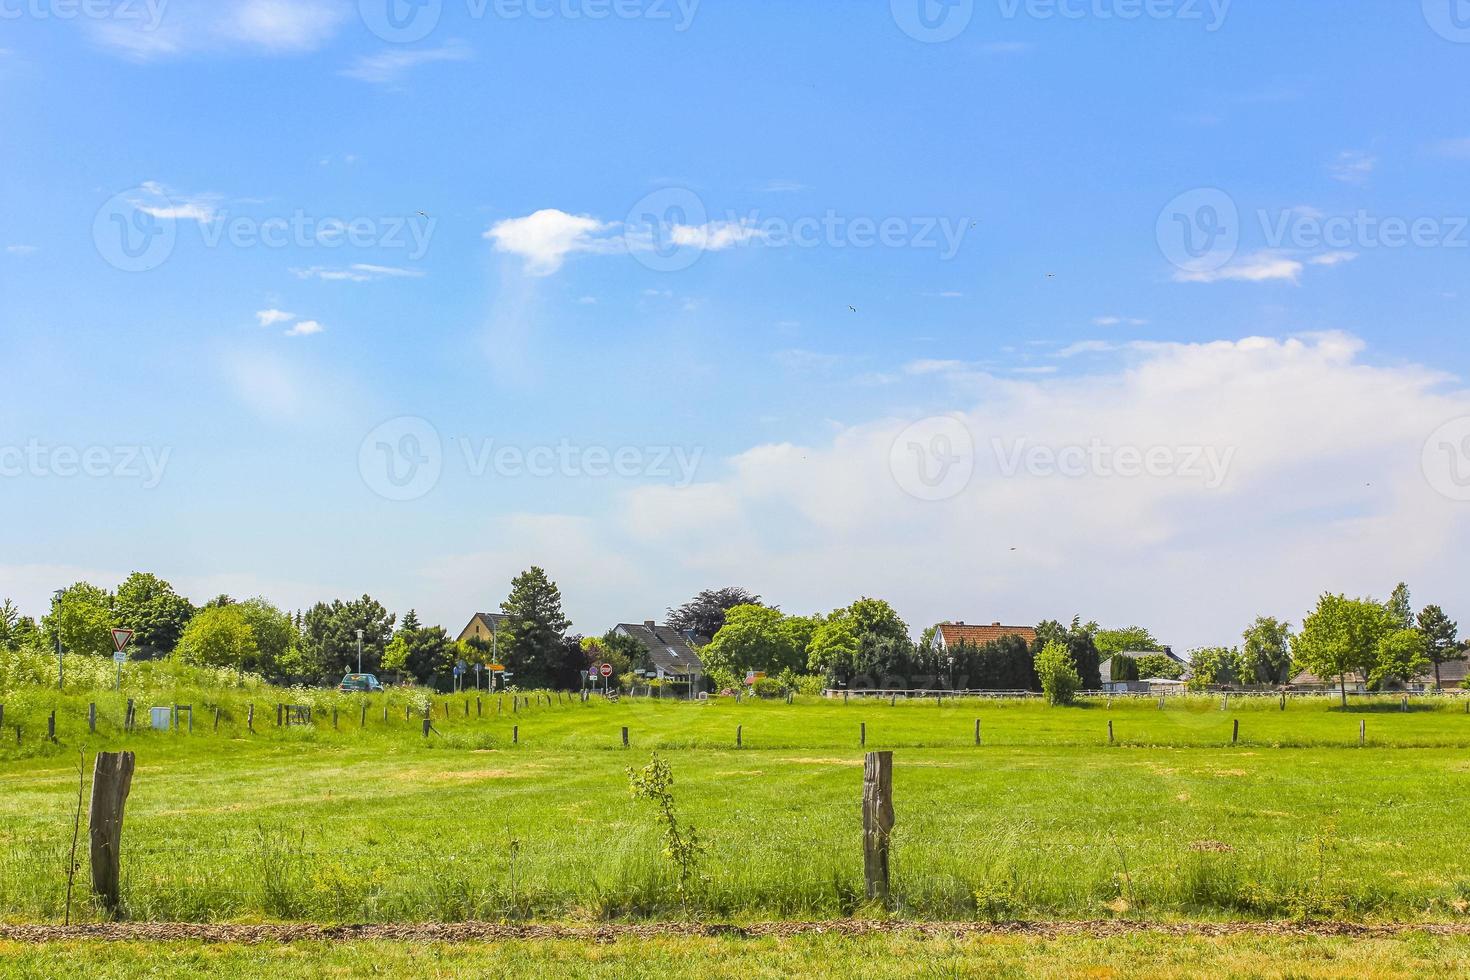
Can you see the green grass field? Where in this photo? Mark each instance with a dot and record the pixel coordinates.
(1045, 820)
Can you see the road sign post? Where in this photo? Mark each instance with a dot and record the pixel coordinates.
(606, 670)
(120, 640)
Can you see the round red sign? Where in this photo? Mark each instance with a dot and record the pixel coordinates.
(605, 670)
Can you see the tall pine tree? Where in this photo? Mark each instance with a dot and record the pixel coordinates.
(531, 644)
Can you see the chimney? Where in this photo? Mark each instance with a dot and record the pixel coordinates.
(650, 623)
(996, 623)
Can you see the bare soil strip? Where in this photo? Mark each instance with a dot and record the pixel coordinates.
(471, 932)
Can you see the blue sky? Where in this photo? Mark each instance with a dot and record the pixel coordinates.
(354, 232)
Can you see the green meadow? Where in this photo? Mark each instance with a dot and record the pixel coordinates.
(523, 812)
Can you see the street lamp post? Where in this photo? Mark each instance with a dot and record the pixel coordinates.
(359, 651)
(60, 664)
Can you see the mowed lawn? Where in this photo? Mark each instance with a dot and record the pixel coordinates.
(1142, 955)
(1044, 820)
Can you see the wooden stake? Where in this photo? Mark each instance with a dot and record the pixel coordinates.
(515, 735)
(427, 725)
(51, 726)
(92, 717)
(977, 731)
(250, 719)
(216, 717)
(112, 780)
(862, 734)
(625, 738)
(739, 733)
(877, 822)
(1235, 735)
(362, 721)
(1362, 732)
(1110, 731)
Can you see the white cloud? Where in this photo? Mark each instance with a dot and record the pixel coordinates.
(1114, 321)
(1087, 347)
(305, 328)
(1353, 167)
(21, 250)
(269, 318)
(1260, 267)
(357, 272)
(391, 65)
(168, 204)
(1333, 258)
(545, 239)
(178, 28)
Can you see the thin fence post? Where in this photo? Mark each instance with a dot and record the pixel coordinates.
(977, 731)
(250, 718)
(216, 717)
(51, 725)
(739, 735)
(1406, 703)
(362, 720)
(280, 714)
(2, 716)
(92, 717)
(515, 735)
(1283, 700)
(479, 707)
(625, 737)
(1235, 735)
(1110, 731)
(877, 822)
(1362, 732)
(427, 725)
(112, 780)
(862, 734)
(128, 721)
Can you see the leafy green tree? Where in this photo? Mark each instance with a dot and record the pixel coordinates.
(329, 637)
(866, 638)
(624, 653)
(426, 653)
(1128, 638)
(1441, 638)
(1219, 665)
(1268, 650)
(155, 613)
(532, 647)
(219, 637)
(274, 632)
(1152, 665)
(1080, 641)
(9, 622)
(1004, 664)
(85, 618)
(758, 638)
(1400, 608)
(1057, 674)
(1402, 655)
(1342, 636)
(704, 615)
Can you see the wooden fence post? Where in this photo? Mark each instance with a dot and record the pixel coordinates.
(515, 734)
(1110, 731)
(1406, 703)
(250, 718)
(92, 717)
(51, 725)
(2, 714)
(216, 717)
(977, 731)
(739, 735)
(362, 722)
(128, 721)
(625, 737)
(112, 779)
(1235, 735)
(862, 734)
(280, 712)
(1362, 732)
(427, 725)
(877, 822)
(479, 707)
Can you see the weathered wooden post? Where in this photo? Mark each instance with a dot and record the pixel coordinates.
(739, 735)
(2, 714)
(1406, 703)
(977, 731)
(1283, 700)
(362, 721)
(280, 714)
(1235, 735)
(466, 707)
(862, 734)
(1362, 732)
(515, 735)
(1110, 731)
(877, 822)
(112, 779)
(625, 737)
(893, 700)
(92, 717)
(844, 697)
(51, 725)
(515, 704)
(128, 721)
(250, 718)
(427, 725)
(216, 717)
(479, 707)
(334, 717)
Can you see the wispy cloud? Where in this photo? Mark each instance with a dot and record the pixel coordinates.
(547, 238)
(1118, 321)
(305, 328)
(269, 318)
(168, 204)
(1260, 267)
(175, 28)
(1332, 258)
(390, 66)
(1087, 347)
(1353, 167)
(357, 272)
(1457, 149)
(21, 250)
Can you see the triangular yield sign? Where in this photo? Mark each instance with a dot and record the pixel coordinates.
(121, 639)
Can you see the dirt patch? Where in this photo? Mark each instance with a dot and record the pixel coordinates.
(607, 933)
(463, 775)
(825, 762)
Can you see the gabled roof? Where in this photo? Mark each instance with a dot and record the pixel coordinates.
(484, 626)
(953, 634)
(668, 649)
